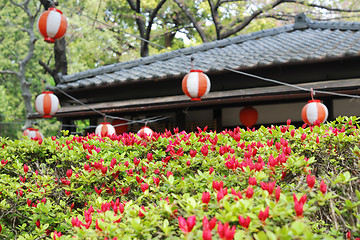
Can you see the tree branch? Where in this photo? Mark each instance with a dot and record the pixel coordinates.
(322, 6)
(248, 19)
(215, 17)
(9, 72)
(193, 20)
(152, 17)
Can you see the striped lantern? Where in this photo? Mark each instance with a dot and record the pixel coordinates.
(52, 25)
(248, 116)
(104, 129)
(145, 131)
(314, 111)
(196, 84)
(47, 104)
(33, 133)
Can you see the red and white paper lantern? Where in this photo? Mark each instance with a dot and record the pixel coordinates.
(248, 116)
(33, 133)
(314, 111)
(145, 131)
(120, 125)
(104, 129)
(47, 104)
(52, 25)
(196, 85)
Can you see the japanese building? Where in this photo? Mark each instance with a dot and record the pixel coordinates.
(308, 54)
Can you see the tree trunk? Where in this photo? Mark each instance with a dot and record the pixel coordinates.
(59, 50)
(25, 85)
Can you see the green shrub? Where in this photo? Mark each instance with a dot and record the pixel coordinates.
(273, 183)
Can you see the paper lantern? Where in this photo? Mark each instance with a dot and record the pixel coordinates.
(196, 85)
(145, 131)
(52, 25)
(122, 126)
(33, 133)
(248, 116)
(314, 111)
(104, 129)
(47, 104)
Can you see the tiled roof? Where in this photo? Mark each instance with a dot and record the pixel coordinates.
(302, 41)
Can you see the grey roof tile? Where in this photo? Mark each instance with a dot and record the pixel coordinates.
(309, 41)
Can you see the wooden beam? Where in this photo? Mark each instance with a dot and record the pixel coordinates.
(241, 96)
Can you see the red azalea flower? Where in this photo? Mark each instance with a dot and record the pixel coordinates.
(156, 181)
(277, 193)
(136, 161)
(263, 215)
(209, 224)
(113, 163)
(104, 170)
(97, 225)
(252, 181)
(244, 222)
(149, 157)
(225, 232)
(323, 187)
(205, 197)
(299, 208)
(98, 191)
(69, 173)
(144, 187)
(205, 150)
(217, 185)
(56, 235)
(26, 168)
(142, 211)
(193, 153)
(38, 223)
(207, 234)
(310, 181)
(220, 195)
(187, 225)
(249, 192)
(303, 136)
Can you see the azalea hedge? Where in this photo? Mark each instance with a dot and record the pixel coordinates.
(279, 182)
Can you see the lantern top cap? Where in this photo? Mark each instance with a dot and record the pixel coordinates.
(32, 129)
(105, 123)
(196, 70)
(314, 100)
(54, 9)
(48, 92)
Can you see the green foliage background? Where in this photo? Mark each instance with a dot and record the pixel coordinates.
(91, 43)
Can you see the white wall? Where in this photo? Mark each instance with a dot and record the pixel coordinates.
(274, 113)
(280, 113)
(347, 107)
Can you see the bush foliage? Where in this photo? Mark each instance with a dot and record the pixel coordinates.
(279, 182)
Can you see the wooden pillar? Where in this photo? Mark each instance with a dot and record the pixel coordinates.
(329, 103)
(180, 120)
(218, 117)
(93, 124)
(68, 124)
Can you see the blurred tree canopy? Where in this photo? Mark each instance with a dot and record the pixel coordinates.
(102, 32)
